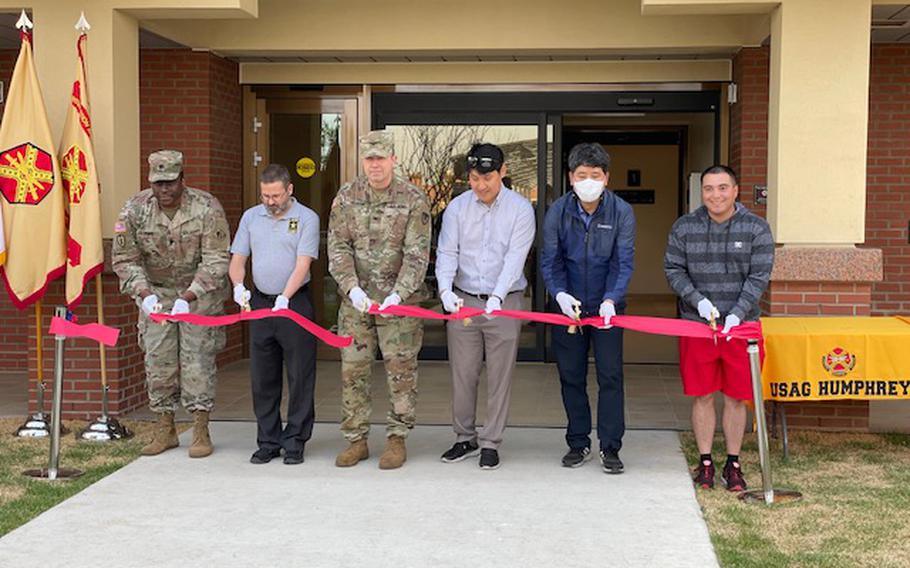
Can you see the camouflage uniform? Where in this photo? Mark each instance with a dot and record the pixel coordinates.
(380, 241)
(167, 257)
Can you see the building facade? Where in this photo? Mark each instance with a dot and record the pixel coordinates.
(809, 100)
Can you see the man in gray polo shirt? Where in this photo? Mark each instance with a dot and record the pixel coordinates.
(283, 238)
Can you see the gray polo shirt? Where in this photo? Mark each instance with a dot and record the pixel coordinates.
(275, 244)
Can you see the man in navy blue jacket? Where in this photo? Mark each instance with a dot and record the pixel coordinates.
(587, 261)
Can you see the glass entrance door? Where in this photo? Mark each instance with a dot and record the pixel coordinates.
(431, 155)
(316, 140)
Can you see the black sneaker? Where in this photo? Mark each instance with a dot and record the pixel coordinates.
(293, 458)
(704, 475)
(264, 455)
(460, 451)
(489, 459)
(733, 477)
(576, 457)
(610, 461)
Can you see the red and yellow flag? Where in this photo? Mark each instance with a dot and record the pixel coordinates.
(32, 195)
(84, 251)
(2, 241)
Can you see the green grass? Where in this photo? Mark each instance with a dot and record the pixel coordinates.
(855, 509)
(23, 498)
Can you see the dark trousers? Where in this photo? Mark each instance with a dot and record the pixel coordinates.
(572, 361)
(275, 342)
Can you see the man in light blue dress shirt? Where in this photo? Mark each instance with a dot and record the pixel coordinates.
(484, 242)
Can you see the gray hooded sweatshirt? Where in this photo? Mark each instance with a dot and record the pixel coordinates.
(729, 263)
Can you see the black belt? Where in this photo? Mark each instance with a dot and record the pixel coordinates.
(481, 297)
(273, 297)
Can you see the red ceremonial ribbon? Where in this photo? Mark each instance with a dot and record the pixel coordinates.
(644, 324)
(95, 331)
(320, 333)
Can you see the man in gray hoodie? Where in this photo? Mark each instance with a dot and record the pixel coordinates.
(718, 261)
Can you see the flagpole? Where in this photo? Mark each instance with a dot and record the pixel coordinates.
(104, 428)
(39, 346)
(36, 424)
(99, 297)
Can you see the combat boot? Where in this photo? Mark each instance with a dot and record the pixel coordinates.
(394, 454)
(353, 454)
(165, 436)
(202, 442)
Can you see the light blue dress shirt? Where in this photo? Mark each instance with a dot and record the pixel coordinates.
(482, 248)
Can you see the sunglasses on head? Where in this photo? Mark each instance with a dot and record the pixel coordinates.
(483, 162)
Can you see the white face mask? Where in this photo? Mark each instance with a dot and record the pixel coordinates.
(588, 190)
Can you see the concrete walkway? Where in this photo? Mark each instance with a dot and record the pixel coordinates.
(222, 511)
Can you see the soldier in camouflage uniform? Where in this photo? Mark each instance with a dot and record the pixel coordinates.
(379, 247)
(170, 251)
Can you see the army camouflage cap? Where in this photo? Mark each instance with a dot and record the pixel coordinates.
(165, 165)
(379, 143)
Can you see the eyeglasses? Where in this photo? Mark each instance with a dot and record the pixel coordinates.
(485, 162)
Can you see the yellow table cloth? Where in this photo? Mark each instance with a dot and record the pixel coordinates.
(822, 358)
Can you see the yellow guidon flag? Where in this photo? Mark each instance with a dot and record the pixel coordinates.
(31, 194)
(84, 251)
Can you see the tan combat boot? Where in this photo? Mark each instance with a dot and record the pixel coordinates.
(394, 454)
(202, 442)
(165, 436)
(353, 454)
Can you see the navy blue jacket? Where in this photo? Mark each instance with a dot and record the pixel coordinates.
(592, 264)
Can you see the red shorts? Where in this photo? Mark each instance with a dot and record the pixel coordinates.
(707, 367)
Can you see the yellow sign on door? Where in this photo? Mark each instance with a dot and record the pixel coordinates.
(306, 167)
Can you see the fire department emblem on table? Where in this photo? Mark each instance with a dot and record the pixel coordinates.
(26, 174)
(74, 173)
(839, 362)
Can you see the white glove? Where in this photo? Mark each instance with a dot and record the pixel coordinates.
(181, 306)
(150, 305)
(568, 304)
(730, 322)
(607, 311)
(392, 299)
(450, 301)
(493, 304)
(707, 310)
(241, 295)
(281, 303)
(359, 299)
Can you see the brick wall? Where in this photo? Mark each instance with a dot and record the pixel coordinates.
(888, 175)
(817, 299)
(749, 123)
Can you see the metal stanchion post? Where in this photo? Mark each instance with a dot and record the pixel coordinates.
(53, 471)
(767, 493)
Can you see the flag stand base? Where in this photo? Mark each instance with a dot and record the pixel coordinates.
(777, 497)
(36, 426)
(61, 474)
(105, 429)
